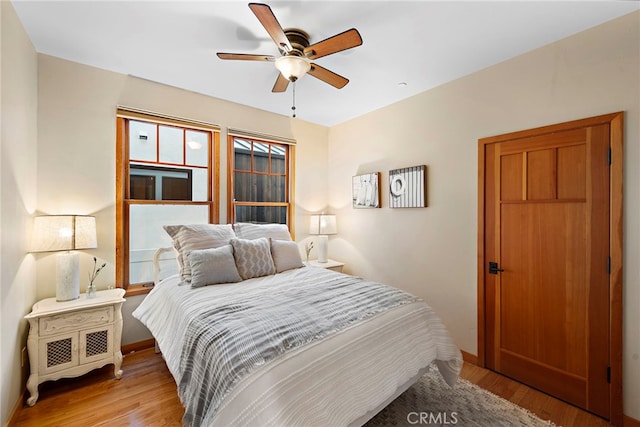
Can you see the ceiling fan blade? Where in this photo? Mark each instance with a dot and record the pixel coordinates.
(281, 84)
(245, 57)
(327, 76)
(270, 23)
(338, 43)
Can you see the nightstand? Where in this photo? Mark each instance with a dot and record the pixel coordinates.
(329, 265)
(70, 338)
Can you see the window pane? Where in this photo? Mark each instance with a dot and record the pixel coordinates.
(244, 187)
(278, 189)
(259, 188)
(278, 159)
(171, 145)
(142, 141)
(197, 148)
(242, 150)
(268, 188)
(261, 214)
(146, 235)
(149, 182)
(200, 191)
(260, 157)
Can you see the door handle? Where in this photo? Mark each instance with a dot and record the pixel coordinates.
(493, 268)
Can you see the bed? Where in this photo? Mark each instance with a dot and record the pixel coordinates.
(254, 337)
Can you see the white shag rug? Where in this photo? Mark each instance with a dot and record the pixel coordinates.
(431, 402)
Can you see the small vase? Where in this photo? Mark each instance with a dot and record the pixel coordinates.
(91, 290)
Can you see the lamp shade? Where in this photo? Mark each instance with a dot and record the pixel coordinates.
(323, 224)
(293, 67)
(63, 233)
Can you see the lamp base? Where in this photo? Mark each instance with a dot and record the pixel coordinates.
(67, 276)
(323, 245)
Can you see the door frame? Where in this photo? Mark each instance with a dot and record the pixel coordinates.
(616, 132)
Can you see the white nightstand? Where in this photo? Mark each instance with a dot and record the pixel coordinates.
(70, 338)
(329, 265)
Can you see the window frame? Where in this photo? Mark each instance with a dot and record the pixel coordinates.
(289, 174)
(123, 202)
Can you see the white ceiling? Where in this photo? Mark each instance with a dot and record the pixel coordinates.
(421, 43)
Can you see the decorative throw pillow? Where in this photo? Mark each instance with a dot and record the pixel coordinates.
(213, 266)
(197, 236)
(253, 257)
(247, 230)
(286, 255)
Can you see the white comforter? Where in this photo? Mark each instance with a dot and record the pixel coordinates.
(342, 379)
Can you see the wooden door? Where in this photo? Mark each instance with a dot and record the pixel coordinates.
(546, 293)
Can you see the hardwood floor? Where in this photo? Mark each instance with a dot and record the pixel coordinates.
(146, 396)
(543, 405)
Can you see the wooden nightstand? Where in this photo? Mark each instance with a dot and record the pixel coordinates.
(70, 338)
(329, 265)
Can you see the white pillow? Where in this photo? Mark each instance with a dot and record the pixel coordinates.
(247, 230)
(213, 266)
(253, 257)
(197, 236)
(286, 255)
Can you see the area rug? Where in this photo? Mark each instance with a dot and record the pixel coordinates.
(431, 402)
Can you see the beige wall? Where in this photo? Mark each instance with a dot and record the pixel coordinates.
(432, 251)
(76, 153)
(18, 138)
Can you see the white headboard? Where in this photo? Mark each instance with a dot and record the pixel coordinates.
(164, 264)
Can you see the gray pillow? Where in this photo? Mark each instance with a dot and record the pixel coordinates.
(213, 266)
(247, 230)
(286, 255)
(197, 236)
(253, 257)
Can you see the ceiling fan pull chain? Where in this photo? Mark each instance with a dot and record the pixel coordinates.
(293, 107)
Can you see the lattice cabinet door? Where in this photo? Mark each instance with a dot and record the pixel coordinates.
(58, 353)
(96, 344)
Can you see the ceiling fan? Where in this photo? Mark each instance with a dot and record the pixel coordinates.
(296, 51)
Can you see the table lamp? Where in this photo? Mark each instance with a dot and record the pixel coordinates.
(323, 225)
(53, 233)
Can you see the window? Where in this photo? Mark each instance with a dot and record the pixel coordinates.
(167, 173)
(260, 186)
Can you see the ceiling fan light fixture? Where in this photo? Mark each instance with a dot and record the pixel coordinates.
(293, 67)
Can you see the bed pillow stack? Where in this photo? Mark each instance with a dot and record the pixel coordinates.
(210, 254)
(195, 237)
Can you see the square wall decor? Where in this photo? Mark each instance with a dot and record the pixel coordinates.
(366, 190)
(407, 187)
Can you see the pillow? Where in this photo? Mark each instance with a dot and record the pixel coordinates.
(212, 266)
(247, 230)
(253, 257)
(197, 236)
(286, 255)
